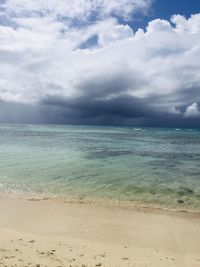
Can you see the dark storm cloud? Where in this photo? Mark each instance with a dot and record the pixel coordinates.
(123, 106)
(125, 111)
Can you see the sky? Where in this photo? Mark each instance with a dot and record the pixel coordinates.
(100, 62)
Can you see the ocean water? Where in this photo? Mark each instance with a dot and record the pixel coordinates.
(150, 166)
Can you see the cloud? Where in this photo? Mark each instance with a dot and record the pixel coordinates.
(99, 70)
(192, 111)
(77, 10)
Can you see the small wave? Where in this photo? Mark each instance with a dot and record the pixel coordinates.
(137, 129)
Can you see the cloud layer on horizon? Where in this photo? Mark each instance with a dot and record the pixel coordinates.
(84, 64)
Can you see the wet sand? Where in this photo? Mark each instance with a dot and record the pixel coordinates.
(54, 233)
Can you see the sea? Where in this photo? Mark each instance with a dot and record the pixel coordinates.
(140, 166)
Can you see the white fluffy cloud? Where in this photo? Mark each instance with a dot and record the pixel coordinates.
(76, 9)
(192, 111)
(41, 56)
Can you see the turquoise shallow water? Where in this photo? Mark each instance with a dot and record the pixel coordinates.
(142, 165)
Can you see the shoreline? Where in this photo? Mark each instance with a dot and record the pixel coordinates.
(137, 205)
(55, 233)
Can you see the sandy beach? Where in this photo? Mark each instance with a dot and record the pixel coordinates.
(55, 233)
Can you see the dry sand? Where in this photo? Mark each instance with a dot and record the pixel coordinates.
(54, 233)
